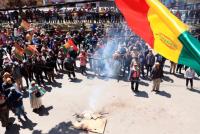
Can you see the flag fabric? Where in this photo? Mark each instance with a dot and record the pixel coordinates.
(19, 52)
(31, 50)
(163, 31)
(70, 43)
(25, 25)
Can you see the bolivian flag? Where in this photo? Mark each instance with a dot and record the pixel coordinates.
(70, 43)
(31, 50)
(163, 31)
(19, 52)
(25, 25)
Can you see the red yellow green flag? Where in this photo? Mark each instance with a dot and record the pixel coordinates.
(25, 24)
(163, 31)
(70, 43)
(31, 50)
(19, 52)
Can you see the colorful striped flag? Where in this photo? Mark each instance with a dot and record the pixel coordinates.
(25, 25)
(31, 50)
(19, 52)
(163, 31)
(70, 43)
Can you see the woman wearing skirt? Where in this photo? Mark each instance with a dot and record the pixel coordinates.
(35, 94)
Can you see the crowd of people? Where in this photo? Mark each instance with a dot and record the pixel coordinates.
(38, 55)
(71, 15)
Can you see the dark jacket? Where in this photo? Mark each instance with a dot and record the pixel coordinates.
(68, 64)
(6, 88)
(156, 73)
(15, 99)
(150, 59)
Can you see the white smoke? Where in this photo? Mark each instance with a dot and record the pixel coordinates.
(95, 97)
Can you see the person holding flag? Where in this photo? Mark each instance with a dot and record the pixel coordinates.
(162, 30)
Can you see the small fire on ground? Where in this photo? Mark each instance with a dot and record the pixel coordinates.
(90, 121)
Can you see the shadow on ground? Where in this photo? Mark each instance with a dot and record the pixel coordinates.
(168, 79)
(15, 128)
(164, 93)
(141, 94)
(144, 83)
(76, 80)
(62, 128)
(44, 111)
(194, 90)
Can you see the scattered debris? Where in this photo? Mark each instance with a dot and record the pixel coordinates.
(89, 121)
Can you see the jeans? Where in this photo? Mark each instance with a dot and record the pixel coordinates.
(20, 111)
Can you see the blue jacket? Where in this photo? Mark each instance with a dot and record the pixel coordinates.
(15, 99)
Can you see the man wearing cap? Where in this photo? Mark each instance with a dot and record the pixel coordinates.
(156, 75)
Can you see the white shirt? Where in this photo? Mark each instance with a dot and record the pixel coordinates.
(189, 73)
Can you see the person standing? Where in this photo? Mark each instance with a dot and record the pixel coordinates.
(172, 67)
(142, 62)
(160, 59)
(38, 68)
(69, 66)
(4, 111)
(134, 77)
(150, 60)
(156, 75)
(83, 62)
(179, 68)
(16, 103)
(17, 76)
(127, 65)
(35, 93)
(60, 60)
(90, 53)
(50, 69)
(189, 75)
(24, 72)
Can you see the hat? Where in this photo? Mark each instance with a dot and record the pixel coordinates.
(157, 63)
(32, 82)
(6, 74)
